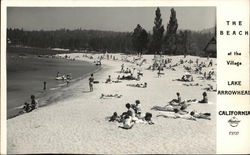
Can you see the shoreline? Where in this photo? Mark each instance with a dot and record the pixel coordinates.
(45, 98)
(77, 123)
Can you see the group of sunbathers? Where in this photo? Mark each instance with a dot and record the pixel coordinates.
(131, 116)
(28, 107)
(179, 108)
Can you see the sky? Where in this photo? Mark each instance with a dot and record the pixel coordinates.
(123, 19)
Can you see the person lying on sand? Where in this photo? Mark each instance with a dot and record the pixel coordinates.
(201, 115)
(191, 84)
(186, 78)
(170, 108)
(139, 85)
(210, 88)
(129, 77)
(110, 95)
(177, 115)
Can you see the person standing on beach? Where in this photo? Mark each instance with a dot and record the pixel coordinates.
(34, 103)
(91, 81)
(44, 85)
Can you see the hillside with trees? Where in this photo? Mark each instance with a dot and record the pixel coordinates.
(170, 42)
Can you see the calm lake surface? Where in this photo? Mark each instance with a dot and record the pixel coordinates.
(26, 74)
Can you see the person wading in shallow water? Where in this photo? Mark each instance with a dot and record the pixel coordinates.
(44, 85)
(91, 81)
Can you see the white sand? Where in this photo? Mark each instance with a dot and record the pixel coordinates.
(77, 124)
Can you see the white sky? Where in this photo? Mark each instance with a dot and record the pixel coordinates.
(106, 18)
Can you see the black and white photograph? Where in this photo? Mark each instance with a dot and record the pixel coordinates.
(108, 80)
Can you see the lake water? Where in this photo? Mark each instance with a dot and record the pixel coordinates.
(26, 74)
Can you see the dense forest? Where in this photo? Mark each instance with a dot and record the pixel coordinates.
(172, 41)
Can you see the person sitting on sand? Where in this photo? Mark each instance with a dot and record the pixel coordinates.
(114, 117)
(26, 107)
(148, 118)
(109, 79)
(110, 95)
(137, 108)
(205, 99)
(201, 115)
(177, 101)
(127, 122)
(34, 103)
(129, 111)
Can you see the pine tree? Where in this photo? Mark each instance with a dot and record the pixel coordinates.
(156, 42)
(139, 39)
(170, 38)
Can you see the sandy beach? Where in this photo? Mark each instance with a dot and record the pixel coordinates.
(76, 121)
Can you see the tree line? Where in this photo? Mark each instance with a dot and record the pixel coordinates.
(172, 42)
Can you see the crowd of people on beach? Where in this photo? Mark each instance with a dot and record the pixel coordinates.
(176, 108)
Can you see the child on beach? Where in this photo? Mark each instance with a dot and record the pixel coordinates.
(91, 80)
(26, 107)
(137, 108)
(148, 118)
(114, 117)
